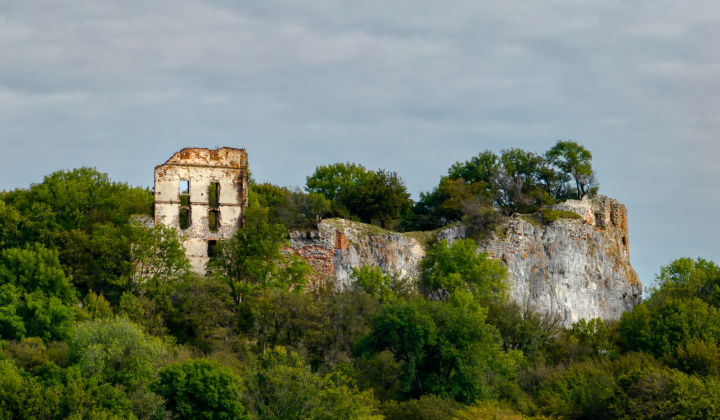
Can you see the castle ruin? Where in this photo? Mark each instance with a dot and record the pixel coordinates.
(203, 194)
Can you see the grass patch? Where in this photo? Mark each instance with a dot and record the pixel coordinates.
(549, 215)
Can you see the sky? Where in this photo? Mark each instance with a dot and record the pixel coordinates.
(407, 86)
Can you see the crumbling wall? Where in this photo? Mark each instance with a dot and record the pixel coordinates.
(200, 167)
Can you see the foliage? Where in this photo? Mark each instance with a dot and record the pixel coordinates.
(523, 329)
(382, 197)
(333, 180)
(322, 326)
(575, 161)
(584, 340)
(660, 330)
(200, 389)
(202, 311)
(115, 351)
(86, 217)
(685, 278)
(292, 208)
(458, 266)
(427, 407)
(370, 196)
(58, 394)
(445, 348)
(36, 298)
(550, 215)
(157, 254)
(281, 386)
(515, 181)
(383, 287)
(253, 260)
(583, 391)
(488, 410)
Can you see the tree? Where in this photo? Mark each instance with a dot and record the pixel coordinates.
(157, 255)
(445, 348)
(685, 278)
(332, 180)
(86, 217)
(203, 310)
(481, 168)
(383, 287)
(281, 386)
(201, 389)
(661, 330)
(115, 351)
(36, 298)
(448, 268)
(253, 260)
(575, 161)
(450, 202)
(323, 326)
(382, 197)
(518, 181)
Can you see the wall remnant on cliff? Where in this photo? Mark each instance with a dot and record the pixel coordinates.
(202, 193)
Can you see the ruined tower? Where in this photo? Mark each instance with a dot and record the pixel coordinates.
(202, 193)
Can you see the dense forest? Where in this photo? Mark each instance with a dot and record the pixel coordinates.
(101, 318)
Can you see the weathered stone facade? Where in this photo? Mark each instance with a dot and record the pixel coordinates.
(202, 193)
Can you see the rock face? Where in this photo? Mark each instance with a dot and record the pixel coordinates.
(340, 245)
(579, 268)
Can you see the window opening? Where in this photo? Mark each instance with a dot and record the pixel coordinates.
(212, 248)
(213, 220)
(214, 194)
(184, 192)
(184, 218)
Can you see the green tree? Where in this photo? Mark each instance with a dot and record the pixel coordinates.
(253, 260)
(86, 217)
(445, 348)
(201, 389)
(381, 197)
(203, 311)
(517, 180)
(322, 326)
(576, 162)
(685, 278)
(157, 254)
(458, 266)
(673, 323)
(383, 287)
(332, 180)
(115, 351)
(281, 386)
(36, 298)
(481, 168)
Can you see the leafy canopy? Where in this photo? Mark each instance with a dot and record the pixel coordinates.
(459, 267)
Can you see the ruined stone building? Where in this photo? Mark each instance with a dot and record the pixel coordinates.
(202, 193)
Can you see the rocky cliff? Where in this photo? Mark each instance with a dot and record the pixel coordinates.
(579, 268)
(340, 245)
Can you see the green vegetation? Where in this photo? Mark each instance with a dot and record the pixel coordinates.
(100, 318)
(550, 215)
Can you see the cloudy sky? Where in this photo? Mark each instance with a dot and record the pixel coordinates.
(409, 86)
